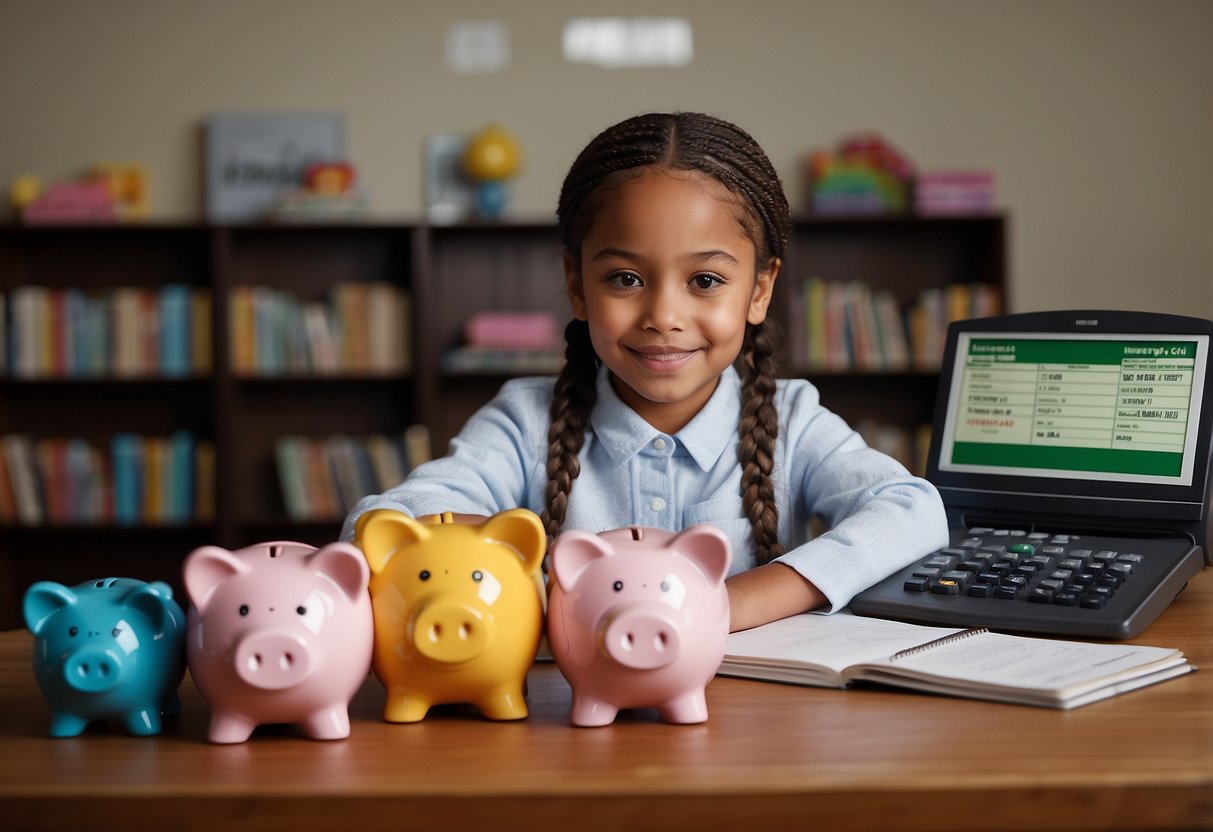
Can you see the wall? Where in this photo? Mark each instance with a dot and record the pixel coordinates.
(1096, 114)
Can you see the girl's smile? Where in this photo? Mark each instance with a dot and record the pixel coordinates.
(667, 283)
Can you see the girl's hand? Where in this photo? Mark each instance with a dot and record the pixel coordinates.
(767, 593)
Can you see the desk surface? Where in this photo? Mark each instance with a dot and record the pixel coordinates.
(770, 755)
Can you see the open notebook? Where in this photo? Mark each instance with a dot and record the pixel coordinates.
(838, 650)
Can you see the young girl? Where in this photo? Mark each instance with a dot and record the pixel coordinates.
(674, 228)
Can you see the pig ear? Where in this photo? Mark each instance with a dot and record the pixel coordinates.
(44, 599)
(572, 552)
(707, 547)
(381, 532)
(152, 600)
(345, 566)
(205, 568)
(522, 529)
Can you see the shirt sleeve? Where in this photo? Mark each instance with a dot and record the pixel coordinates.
(880, 517)
(489, 464)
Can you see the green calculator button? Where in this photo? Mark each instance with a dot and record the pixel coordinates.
(1022, 548)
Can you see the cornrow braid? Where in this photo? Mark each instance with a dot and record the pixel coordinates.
(572, 401)
(759, 430)
(726, 153)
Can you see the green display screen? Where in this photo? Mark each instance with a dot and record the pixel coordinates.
(1122, 407)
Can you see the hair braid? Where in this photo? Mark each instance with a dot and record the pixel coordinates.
(759, 429)
(572, 401)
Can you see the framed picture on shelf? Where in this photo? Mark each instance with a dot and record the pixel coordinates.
(450, 196)
(253, 159)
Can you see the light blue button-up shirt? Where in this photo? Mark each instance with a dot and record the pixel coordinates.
(880, 518)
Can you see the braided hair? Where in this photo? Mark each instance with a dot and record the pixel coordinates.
(726, 153)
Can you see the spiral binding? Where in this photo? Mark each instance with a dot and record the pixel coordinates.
(938, 642)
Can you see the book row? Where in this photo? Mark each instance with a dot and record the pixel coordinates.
(849, 326)
(360, 327)
(123, 331)
(136, 480)
(322, 478)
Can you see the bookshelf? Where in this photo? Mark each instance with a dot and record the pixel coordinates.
(444, 273)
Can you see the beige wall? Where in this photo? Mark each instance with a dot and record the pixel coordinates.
(1096, 114)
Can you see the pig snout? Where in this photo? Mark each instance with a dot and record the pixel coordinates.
(641, 638)
(93, 670)
(450, 632)
(273, 660)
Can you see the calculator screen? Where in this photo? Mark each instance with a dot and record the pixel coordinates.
(1119, 408)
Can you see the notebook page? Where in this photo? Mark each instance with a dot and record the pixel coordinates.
(1020, 662)
(833, 641)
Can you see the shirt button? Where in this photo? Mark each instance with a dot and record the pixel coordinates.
(657, 504)
(659, 444)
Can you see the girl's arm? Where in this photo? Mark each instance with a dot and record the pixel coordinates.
(767, 593)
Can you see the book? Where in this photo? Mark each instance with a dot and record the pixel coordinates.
(841, 649)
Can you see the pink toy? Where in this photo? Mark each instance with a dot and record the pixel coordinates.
(278, 632)
(638, 617)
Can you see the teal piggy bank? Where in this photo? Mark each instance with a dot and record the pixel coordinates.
(113, 648)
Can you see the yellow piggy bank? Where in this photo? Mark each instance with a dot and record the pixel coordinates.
(458, 617)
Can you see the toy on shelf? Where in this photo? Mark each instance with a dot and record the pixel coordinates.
(948, 192)
(108, 648)
(492, 156)
(865, 175)
(458, 609)
(638, 617)
(329, 192)
(279, 632)
(109, 193)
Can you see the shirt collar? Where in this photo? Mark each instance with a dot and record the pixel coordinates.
(623, 433)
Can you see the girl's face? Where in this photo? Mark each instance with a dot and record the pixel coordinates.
(667, 282)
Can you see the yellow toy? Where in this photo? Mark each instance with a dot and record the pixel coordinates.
(128, 187)
(457, 614)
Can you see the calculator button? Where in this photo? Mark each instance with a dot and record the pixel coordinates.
(980, 530)
(1093, 602)
(1022, 549)
(980, 590)
(970, 543)
(946, 587)
(1130, 557)
(1122, 569)
(1052, 550)
(1007, 593)
(917, 585)
(1066, 599)
(1040, 595)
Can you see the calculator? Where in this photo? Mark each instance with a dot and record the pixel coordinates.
(1072, 453)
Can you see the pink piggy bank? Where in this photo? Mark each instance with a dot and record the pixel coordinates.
(278, 633)
(638, 617)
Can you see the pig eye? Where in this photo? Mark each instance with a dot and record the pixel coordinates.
(477, 576)
(244, 609)
(302, 610)
(425, 575)
(665, 586)
(73, 631)
(618, 586)
(117, 631)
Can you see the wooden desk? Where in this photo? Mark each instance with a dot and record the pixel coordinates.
(771, 756)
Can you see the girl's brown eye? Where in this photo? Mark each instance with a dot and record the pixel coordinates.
(706, 282)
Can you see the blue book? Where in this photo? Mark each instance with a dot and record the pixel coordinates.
(175, 329)
(181, 480)
(127, 452)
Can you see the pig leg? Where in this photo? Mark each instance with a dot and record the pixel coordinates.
(592, 712)
(67, 725)
(328, 724)
(405, 706)
(144, 722)
(229, 727)
(504, 703)
(693, 707)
